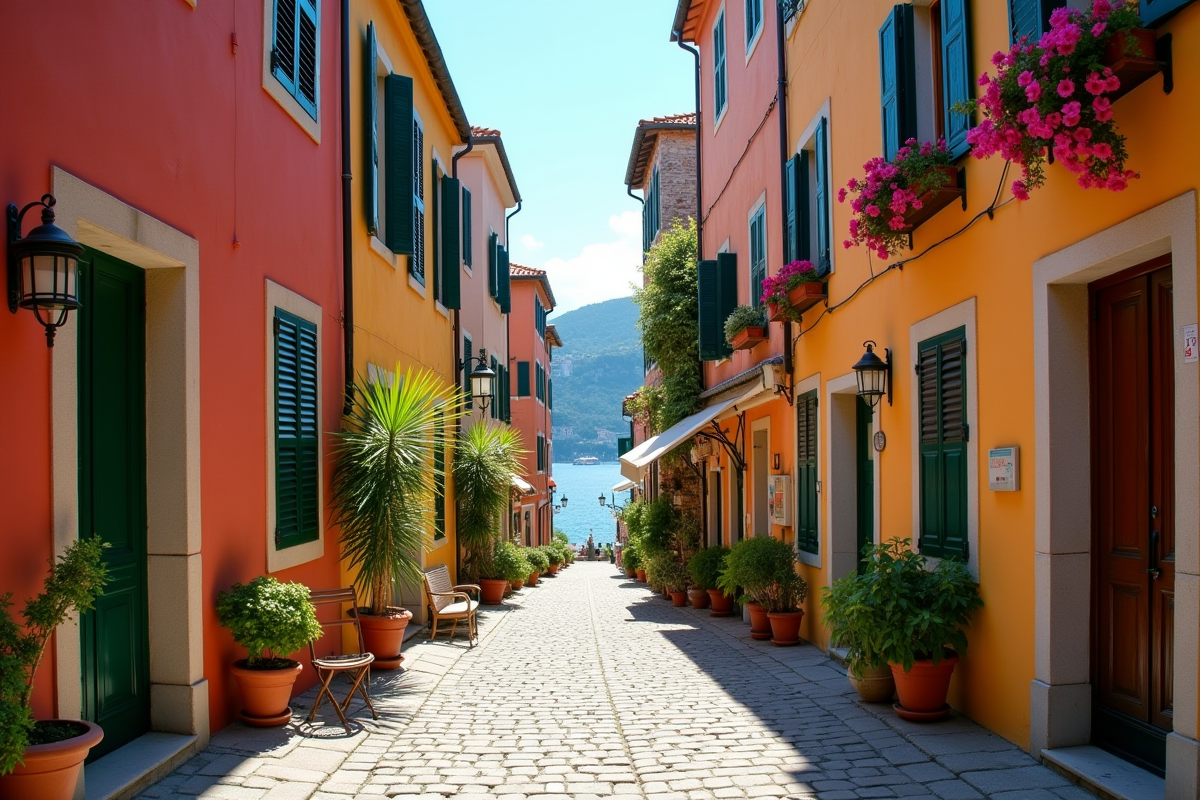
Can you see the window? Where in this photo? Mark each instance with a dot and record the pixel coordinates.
(717, 281)
(898, 79)
(439, 476)
(295, 51)
(1154, 11)
(1028, 18)
(394, 202)
(539, 382)
(494, 408)
(468, 365)
(522, 379)
(944, 432)
(468, 243)
(651, 212)
(541, 453)
(719, 86)
(754, 21)
(416, 263)
(297, 446)
(808, 199)
(807, 539)
(493, 265)
(549, 392)
(758, 254)
(449, 283)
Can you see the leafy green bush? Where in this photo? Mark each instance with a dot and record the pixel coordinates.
(657, 522)
(899, 610)
(74, 583)
(744, 317)
(631, 515)
(509, 563)
(560, 537)
(554, 554)
(631, 557)
(765, 568)
(538, 561)
(658, 570)
(705, 567)
(266, 615)
(485, 459)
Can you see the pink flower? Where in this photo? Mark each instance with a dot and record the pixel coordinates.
(998, 58)
(841, 195)
(1102, 151)
(873, 210)
(896, 223)
(1066, 88)
(1112, 82)
(1025, 78)
(1071, 114)
(1020, 191)
(1098, 29)
(1103, 108)
(1095, 85)
(1033, 91)
(1101, 9)
(1059, 17)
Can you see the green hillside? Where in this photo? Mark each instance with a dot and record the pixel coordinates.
(599, 364)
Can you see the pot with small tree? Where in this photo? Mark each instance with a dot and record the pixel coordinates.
(704, 568)
(765, 569)
(555, 556)
(746, 327)
(631, 557)
(271, 620)
(674, 578)
(510, 564)
(849, 606)
(485, 459)
(538, 563)
(43, 758)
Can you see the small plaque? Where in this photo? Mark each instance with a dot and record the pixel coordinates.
(1191, 347)
(880, 441)
(1004, 469)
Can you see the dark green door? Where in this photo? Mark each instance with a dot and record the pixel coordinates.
(866, 478)
(112, 495)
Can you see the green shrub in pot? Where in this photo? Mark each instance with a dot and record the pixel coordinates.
(705, 567)
(744, 317)
(764, 568)
(538, 561)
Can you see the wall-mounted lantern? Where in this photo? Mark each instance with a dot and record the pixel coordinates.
(43, 268)
(603, 500)
(483, 379)
(564, 501)
(874, 375)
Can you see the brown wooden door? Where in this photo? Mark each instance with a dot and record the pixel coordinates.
(1133, 388)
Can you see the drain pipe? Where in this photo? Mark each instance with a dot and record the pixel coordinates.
(678, 37)
(507, 218)
(347, 243)
(784, 151)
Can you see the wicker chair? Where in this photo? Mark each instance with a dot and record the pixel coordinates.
(451, 602)
(356, 666)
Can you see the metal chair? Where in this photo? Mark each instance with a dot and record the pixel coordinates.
(357, 666)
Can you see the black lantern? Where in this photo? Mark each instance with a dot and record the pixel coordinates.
(43, 268)
(603, 500)
(874, 375)
(564, 501)
(483, 380)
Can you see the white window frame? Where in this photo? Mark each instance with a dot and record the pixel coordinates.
(720, 24)
(806, 144)
(753, 36)
(759, 209)
(276, 89)
(419, 208)
(383, 68)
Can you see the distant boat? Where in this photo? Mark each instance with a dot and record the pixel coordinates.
(586, 461)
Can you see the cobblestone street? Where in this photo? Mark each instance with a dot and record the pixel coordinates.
(590, 686)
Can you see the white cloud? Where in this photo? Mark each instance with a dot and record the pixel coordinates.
(529, 243)
(602, 270)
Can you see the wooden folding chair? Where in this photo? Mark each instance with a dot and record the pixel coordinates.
(357, 666)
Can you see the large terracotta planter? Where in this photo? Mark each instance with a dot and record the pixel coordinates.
(876, 684)
(923, 689)
(679, 599)
(492, 591)
(265, 694)
(802, 298)
(384, 635)
(533, 578)
(699, 598)
(760, 622)
(641, 575)
(517, 584)
(553, 569)
(630, 572)
(721, 604)
(785, 627)
(51, 771)
(1133, 65)
(935, 201)
(747, 338)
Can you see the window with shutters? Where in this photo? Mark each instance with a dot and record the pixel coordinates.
(295, 522)
(807, 538)
(494, 406)
(540, 382)
(758, 253)
(416, 262)
(468, 365)
(1156, 11)
(468, 242)
(541, 453)
(522, 379)
(717, 284)
(439, 476)
(493, 265)
(754, 23)
(807, 203)
(720, 87)
(651, 212)
(295, 50)
(448, 239)
(1029, 19)
(898, 78)
(944, 431)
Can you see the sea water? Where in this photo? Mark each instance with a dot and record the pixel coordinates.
(582, 486)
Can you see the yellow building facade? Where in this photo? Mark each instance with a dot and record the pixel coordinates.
(1050, 310)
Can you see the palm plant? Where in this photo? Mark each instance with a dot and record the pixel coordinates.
(385, 477)
(485, 459)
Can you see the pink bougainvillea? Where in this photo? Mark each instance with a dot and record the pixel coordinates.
(1052, 98)
(775, 288)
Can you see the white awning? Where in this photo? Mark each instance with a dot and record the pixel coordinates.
(525, 486)
(635, 462)
(624, 486)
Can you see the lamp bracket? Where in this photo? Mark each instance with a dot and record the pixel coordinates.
(731, 445)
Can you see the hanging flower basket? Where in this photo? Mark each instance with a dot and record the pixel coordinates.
(747, 338)
(793, 290)
(1132, 58)
(934, 200)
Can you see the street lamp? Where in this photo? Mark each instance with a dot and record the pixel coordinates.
(43, 268)
(602, 500)
(483, 379)
(874, 375)
(564, 501)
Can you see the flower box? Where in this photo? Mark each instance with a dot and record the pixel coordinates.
(1133, 70)
(935, 201)
(802, 298)
(747, 338)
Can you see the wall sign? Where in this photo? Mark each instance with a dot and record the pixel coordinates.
(1004, 469)
(779, 490)
(1191, 347)
(880, 441)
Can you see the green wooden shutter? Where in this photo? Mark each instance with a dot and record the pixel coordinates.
(507, 394)
(468, 365)
(371, 128)
(295, 53)
(297, 488)
(468, 242)
(957, 81)
(504, 281)
(541, 454)
(807, 538)
(897, 79)
(439, 476)
(944, 432)
(451, 281)
(493, 264)
(283, 48)
(1155, 11)
(727, 292)
(494, 408)
(822, 260)
(709, 309)
(790, 245)
(399, 224)
(522, 379)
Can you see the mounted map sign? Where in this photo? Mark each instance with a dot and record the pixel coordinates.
(1004, 469)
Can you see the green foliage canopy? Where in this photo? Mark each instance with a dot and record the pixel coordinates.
(266, 615)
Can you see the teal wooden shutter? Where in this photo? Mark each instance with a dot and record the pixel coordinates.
(371, 128)
(468, 365)
(522, 379)
(1028, 18)
(297, 489)
(1155, 11)
(504, 283)
(507, 395)
(807, 538)
(804, 209)
(439, 476)
(956, 74)
(549, 392)
(709, 309)
(944, 433)
(758, 255)
(822, 260)
(451, 282)
(727, 292)
(790, 248)
(468, 242)
(398, 226)
(624, 445)
(494, 408)
(295, 52)
(897, 79)
(493, 264)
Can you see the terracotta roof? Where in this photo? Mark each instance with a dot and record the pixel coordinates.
(485, 136)
(478, 131)
(520, 272)
(687, 17)
(421, 28)
(552, 336)
(644, 139)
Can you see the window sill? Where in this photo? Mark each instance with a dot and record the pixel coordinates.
(811, 559)
(441, 309)
(753, 45)
(416, 285)
(284, 98)
(721, 118)
(380, 249)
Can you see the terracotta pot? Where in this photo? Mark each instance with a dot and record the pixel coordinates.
(802, 298)
(923, 688)
(492, 591)
(384, 636)
(517, 584)
(722, 604)
(51, 771)
(699, 598)
(265, 694)
(785, 627)
(553, 569)
(641, 575)
(1134, 65)
(679, 599)
(876, 684)
(760, 623)
(934, 201)
(533, 578)
(747, 338)
(630, 572)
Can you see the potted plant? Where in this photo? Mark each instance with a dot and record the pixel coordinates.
(746, 327)
(271, 620)
(631, 557)
(765, 568)
(674, 578)
(1054, 98)
(896, 196)
(538, 563)
(555, 556)
(915, 624)
(42, 759)
(793, 290)
(849, 606)
(510, 564)
(705, 570)
(485, 459)
(384, 480)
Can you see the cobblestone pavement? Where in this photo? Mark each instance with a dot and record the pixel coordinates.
(590, 686)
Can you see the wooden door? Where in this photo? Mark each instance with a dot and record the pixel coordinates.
(865, 466)
(1133, 390)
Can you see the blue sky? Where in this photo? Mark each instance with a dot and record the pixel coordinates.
(566, 82)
